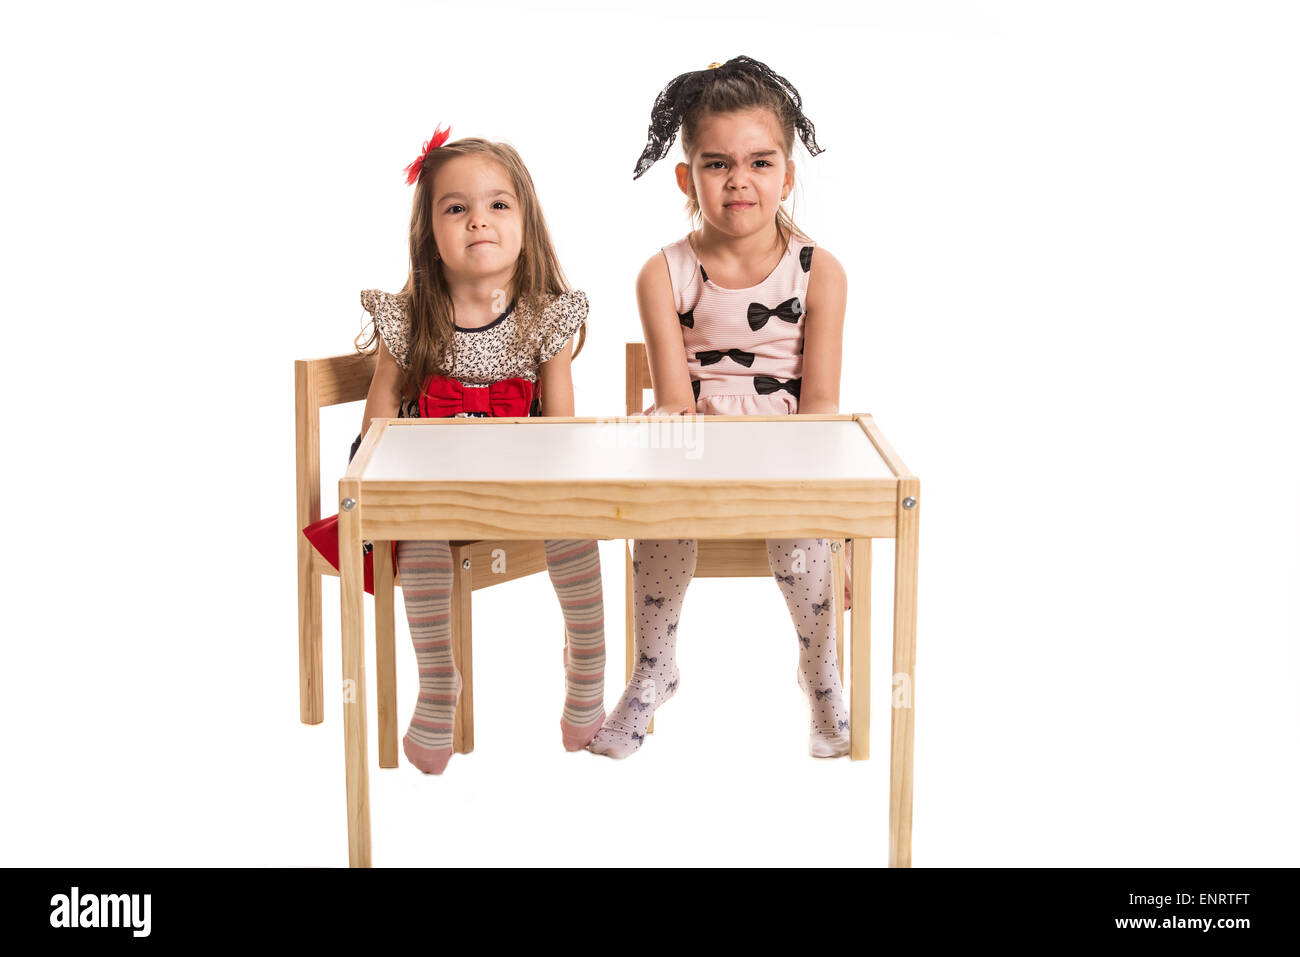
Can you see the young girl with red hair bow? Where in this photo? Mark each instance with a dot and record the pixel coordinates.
(482, 328)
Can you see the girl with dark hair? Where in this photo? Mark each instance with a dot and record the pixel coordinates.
(742, 316)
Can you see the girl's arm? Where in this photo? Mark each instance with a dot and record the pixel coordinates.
(823, 335)
(555, 377)
(385, 395)
(663, 339)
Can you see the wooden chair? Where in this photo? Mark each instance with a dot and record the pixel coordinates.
(719, 558)
(319, 383)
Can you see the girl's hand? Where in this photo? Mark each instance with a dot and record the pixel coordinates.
(823, 335)
(663, 338)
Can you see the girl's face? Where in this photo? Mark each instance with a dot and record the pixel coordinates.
(478, 224)
(738, 173)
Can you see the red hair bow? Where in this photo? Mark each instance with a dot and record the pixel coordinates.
(443, 397)
(439, 137)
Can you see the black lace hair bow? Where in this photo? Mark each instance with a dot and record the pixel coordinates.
(676, 99)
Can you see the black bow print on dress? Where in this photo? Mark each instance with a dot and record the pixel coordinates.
(647, 661)
(687, 318)
(804, 641)
(788, 579)
(638, 738)
(657, 602)
(788, 311)
(672, 630)
(823, 693)
(843, 725)
(710, 356)
(672, 686)
(821, 607)
(695, 387)
(805, 258)
(766, 385)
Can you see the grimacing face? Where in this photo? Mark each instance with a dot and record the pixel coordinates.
(738, 171)
(478, 221)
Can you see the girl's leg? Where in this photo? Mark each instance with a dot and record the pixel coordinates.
(574, 567)
(661, 571)
(802, 567)
(425, 569)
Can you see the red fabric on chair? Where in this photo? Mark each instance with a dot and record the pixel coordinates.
(441, 397)
(324, 537)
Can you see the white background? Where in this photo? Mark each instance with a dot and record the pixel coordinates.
(1070, 231)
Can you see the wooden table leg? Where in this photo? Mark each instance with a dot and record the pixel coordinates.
(461, 609)
(904, 676)
(860, 653)
(354, 676)
(385, 654)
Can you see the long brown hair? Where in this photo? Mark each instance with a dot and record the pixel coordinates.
(431, 344)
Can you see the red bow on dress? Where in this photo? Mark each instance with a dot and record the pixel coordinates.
(443, 397)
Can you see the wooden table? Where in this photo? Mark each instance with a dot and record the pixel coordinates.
(712, 477)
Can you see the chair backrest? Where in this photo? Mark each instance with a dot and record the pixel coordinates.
(637, 377)
(316, 384)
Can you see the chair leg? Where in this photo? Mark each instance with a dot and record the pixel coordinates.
(385, 655)
(837, 583)
(462, 648)
(860, 654)
(311, 694)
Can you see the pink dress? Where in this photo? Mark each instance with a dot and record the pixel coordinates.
(744, 347)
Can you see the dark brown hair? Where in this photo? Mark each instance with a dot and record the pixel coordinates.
(537, 276)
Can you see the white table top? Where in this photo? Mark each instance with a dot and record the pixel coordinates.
(647, 449)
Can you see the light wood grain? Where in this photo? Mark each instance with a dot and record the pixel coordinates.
(604, 510)
(883, 448)
(837, 579)
(629, 612)
(634, 385)
(521, 558)
(340, 379)
(357, 467)
(311, 694)
(732, 558)
(354, 677)
(320, 566)
(462, 645)
(860, 653)
(903, 718)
